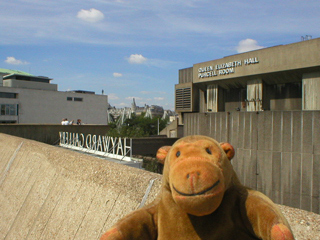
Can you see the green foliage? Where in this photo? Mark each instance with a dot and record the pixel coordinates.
(152, 165)
(137, 126)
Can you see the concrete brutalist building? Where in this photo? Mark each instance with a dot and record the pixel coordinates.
(266, 103)
(25, 98)
(284, 77)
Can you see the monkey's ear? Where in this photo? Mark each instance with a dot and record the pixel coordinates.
(228, 149)
(162, 153)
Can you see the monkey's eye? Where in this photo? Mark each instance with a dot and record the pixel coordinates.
(178, 154)
(208, 151)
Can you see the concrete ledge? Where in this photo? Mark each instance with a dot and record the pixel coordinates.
(51, 193)
(48, 192)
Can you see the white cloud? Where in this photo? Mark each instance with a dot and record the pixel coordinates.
(248, 45)
(136, 59)
(136, 98)
(113, 96)
(159, 98)
(117, 74)
(14, 61)
(92, 15)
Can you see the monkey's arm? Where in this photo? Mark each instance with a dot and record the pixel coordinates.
(139, 224)
(267, 221)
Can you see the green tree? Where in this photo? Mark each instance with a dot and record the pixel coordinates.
(137, 126)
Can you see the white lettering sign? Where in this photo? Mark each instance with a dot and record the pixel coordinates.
(224, 68)
(116, 148)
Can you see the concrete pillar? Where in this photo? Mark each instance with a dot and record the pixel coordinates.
(310, 91)
(212, 98)
(254, 95)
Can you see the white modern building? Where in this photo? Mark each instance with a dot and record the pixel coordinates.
(25, 98)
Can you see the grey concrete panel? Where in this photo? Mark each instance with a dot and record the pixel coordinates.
(187, 122)
(265, 172)
(307, 132)
(235, 128)
(315, 204)
(203, 121)
(224, 127)
(306, 181)
(261, 132)
(210, 130)
(316, 128)
(241, 132)
(250, 161)
(213, 126)
(287, 132)
(239, 168)
(268, 125)
(316, 184)
(254, 130)
(286, 175)
(217, 127)
(296, 130)
(276, 177)
(296, 180)
(247, 132)
(277, 132)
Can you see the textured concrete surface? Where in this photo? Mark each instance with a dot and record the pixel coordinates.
(48, 192)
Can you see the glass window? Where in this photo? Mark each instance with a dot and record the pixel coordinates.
(8, 109)
(8, 95)
(69, 98)
(3, 109)
(78, 99)
(12, 110)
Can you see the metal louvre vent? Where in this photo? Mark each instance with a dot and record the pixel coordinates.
(183, 98)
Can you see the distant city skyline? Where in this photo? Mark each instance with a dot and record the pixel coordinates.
(134, 49)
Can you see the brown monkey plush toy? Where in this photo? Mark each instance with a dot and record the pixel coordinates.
(202, 198)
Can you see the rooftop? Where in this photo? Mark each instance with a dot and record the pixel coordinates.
(9, 71)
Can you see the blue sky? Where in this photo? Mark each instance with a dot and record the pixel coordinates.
(135, 48)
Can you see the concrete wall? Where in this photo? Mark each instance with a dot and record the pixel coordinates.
(41, 106)
(49, 133)
(300, 55)
(311, 86)
(29, 84)
(150, 146)
(52, 193)
(277, 152)
(48, 192)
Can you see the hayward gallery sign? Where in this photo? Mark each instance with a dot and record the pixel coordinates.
(117, 148)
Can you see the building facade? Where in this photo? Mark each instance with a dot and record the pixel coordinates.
(32, 99)
(266, 103)
(284, 77)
